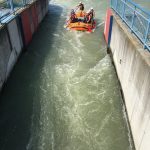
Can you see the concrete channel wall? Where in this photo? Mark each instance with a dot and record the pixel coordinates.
(16, 33)
(132, 64)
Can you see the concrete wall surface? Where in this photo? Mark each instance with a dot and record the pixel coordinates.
(16, 40)
(132, 63)
(17, 33)
(5, 51)
(11, 62)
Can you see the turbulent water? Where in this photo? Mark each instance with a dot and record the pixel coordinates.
(63, 94)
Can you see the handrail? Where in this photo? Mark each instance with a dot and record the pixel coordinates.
(139, 7)
(12, 12)
(136, 17)
(8, 15)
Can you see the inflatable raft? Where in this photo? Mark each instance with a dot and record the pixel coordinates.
(80, 24)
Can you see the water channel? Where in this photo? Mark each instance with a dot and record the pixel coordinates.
(63, 94)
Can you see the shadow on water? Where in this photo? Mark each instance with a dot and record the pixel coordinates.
(21, 91)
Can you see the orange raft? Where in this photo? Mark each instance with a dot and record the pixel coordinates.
(80, 24)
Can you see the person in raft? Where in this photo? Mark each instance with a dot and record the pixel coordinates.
(73, 17)
(90, 16)
(80, 6)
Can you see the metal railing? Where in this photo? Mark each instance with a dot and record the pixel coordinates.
(14, 3)
(136, 17)
(9, 7)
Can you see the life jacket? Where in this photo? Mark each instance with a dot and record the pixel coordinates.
(90, 16)
(82, 14)
(73, 16)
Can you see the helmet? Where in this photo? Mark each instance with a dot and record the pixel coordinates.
(91, 8)
(80, 2)
(72, 11)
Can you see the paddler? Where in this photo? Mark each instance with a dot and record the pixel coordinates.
(80, 6)
(90, 16)
(73, 17)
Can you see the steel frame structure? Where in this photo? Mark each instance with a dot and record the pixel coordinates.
(136, 18)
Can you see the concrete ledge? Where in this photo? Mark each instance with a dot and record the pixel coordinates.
(135, 41)
(132, 63)
(16, 32)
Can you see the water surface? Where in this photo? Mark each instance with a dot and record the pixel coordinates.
(63, 93)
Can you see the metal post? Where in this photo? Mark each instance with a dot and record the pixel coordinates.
(123, 12)
(24, 2)
(11, 5)
(146, 34)
(132, 23)
(116, 5)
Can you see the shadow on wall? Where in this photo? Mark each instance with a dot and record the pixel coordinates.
(20, 96)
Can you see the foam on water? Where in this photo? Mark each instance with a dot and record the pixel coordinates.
(72, 87)
(78, 104)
